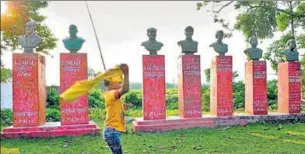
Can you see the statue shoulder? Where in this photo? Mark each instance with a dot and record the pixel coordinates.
(144, 43)
(161, 44)
(81, 39)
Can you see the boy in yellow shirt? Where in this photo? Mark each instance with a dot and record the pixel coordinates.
(115, 111)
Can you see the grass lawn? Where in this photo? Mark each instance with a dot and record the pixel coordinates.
(254, 138)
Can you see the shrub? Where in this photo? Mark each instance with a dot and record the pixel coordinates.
(52, 99)
(6, 117)
(205, 99)
(134, 99)
(97, 113)
(239, 95)
(53, 115)
(96, 99)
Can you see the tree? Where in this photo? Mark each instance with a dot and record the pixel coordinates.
(13, 25)
(263, 18)
(207, 73)
(14, 20)
(6, 75)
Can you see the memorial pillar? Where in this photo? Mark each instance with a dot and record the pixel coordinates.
(189, 86)
(29, 89)
(289, 87)
(73, 67)
(256, 88)
(154, 104)
(221, 91)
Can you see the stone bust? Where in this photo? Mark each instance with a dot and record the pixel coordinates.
(291, 54)
(30, 40)
(73, 43)
(253, 53)
(188, 46)
(152, 45)
(219, 46)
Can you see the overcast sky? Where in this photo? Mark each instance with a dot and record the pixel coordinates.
(121, 27)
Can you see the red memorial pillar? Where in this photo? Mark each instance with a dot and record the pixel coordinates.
(256, 88)
(29, 90)
(154, 106)
(221, 97)
(73, 67)
(289, 87)
(189, 86)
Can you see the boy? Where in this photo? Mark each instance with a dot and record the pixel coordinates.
(115, 118)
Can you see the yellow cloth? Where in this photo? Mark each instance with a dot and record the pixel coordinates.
(80, 88)
(115, 116)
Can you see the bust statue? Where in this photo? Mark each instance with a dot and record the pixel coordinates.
(291, 54)
(218, 46)
(188, 46)
(30, 40)
(152, 45)
(73, 43)
(253, 53)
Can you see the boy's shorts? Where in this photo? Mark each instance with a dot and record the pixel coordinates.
(113, 139)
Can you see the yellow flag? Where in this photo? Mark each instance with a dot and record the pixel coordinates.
(80, 88)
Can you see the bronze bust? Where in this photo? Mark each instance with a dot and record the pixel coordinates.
(220, 47)
(253, 53)
(291, 54)
(152, 45)
(30, 40)
(188, 46)
(73, 43)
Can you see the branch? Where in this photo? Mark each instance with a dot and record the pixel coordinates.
(291, 13)
(223, 7)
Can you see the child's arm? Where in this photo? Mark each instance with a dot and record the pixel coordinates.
(125, 87)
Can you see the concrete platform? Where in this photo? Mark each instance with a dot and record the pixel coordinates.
(50, 129)
(208, 121)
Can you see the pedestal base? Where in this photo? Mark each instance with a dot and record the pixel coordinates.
(256, 88)
(209, 121)
(50, 129)
(289, 87)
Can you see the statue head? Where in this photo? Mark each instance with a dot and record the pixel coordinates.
(292, 44)
(30, 28)
(253, 41)
(219, 35)
(152, 33)
(73, 30)
(189, 31)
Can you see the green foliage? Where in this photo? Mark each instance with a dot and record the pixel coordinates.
(52, 98)
(207, 73)
(52, 115)
(133, 98)
(259, 21)
(239, 95)
(205, 98)
(6, 116)
(97, 113)
(172, 99)
(272, 94)
(14, 20)
(96, 99)
(6, 74)
(282, 21)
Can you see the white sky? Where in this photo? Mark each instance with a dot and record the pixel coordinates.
(121, 27)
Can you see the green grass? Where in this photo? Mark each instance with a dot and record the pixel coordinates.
(254, 138)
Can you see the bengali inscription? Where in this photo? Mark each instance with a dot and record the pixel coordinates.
(154, 87)
(73, 67)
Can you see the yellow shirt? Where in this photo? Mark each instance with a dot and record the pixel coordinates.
(115, 116)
